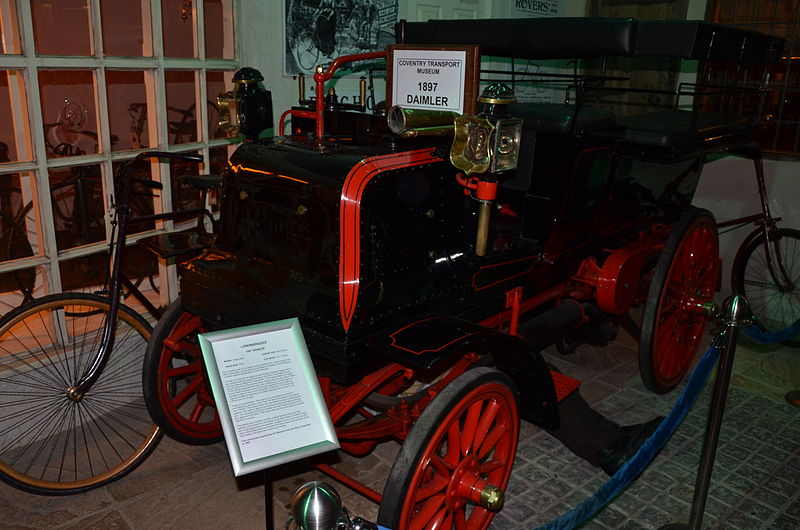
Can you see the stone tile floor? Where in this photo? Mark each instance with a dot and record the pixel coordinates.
(755, 485)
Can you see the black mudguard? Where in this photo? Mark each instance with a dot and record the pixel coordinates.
(434, 341)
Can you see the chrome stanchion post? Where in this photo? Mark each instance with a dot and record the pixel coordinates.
(737, 314)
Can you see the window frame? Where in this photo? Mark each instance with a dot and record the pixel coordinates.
(32, 155)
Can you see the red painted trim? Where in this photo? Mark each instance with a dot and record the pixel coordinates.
(533, 259)
(350, 219)
(393, 342)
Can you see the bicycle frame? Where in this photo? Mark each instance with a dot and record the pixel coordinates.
(765, 224)
(117, 281)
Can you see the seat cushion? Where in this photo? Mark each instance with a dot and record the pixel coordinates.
(558, 118)
(674, 127)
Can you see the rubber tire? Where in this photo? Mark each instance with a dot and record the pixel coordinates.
(651, 350)
(139, 451)
(158, 391)
(739, 283)
(446, 408)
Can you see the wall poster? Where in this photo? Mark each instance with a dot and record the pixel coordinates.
(318, 31)
(535, 92)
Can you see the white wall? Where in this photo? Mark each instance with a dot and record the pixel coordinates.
(728, 189)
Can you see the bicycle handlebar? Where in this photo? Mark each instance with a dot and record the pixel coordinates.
(154, 184)
(188, 157)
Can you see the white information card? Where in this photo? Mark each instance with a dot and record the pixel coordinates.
(429, 79)
(267, 394)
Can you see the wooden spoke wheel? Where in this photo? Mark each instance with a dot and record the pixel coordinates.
(455, 464)
(685, 279)
(175, 383)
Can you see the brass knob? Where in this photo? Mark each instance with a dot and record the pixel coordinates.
(492, 498)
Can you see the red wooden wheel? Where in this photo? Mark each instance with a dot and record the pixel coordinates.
(176, 387)
(455, 464)
(685, 278)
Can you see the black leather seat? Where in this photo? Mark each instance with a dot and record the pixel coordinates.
(558, 118)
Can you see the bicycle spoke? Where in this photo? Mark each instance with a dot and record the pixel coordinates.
(53, 442)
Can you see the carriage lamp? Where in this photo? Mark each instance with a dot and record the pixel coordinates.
(486, 145)
(247, 109)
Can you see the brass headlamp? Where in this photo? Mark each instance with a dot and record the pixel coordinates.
(247, 109)
(486, 145)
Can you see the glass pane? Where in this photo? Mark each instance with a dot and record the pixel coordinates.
(68, 111)
(84, 274)
(219, 158)
(88, 274)
(127, 110)
(181, 106)
(123, 31)
(9, 28)
(177, 20)
(217, 82)
(184, 196)
(61, 28)
(19, 234)
(14, 137)
(76, 194)
(20, 286)
(141, 201)
(140, 266)
(218, 16)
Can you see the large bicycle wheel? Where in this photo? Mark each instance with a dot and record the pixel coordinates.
(456, 462)
(685, 278)
(773, 293)
(50, 443)
(176, 387)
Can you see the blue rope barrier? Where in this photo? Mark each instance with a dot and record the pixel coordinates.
(639, 461)
(759, 335)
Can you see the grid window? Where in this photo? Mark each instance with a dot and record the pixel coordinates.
(781, 134)
(84, 86)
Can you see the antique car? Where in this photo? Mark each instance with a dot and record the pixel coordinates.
(413, 250)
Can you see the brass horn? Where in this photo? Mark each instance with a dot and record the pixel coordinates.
(410, 123)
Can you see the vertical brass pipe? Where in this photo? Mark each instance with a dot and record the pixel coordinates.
(484, 211)
(301, 87)
(362, 92)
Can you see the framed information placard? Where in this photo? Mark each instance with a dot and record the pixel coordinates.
(267, 394)
(433, 77)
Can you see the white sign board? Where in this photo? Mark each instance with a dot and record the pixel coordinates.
(429, 79)
(534, 8)
(267, 394)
